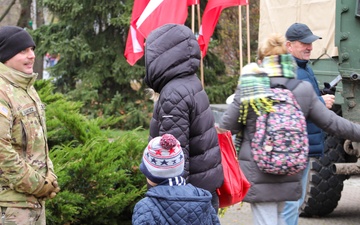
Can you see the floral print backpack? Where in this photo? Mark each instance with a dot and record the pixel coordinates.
(280, 144)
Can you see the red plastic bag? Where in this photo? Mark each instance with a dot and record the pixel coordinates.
(235, 184)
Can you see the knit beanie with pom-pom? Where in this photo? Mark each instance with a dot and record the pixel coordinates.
(163, 158)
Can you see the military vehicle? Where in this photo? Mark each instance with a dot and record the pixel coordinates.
(336, 55)
(341, 159)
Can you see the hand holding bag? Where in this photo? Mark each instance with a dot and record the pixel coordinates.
(235, 184)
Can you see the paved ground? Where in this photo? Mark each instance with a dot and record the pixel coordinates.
(347, 212)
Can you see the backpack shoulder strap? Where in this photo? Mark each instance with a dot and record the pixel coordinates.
(291, 84)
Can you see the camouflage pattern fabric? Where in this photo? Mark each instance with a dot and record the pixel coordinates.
(23, 216)
(24, 158)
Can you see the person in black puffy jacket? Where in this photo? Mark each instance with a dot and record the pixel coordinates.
(172, 57)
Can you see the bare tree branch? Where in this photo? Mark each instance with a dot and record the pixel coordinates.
(7, 10)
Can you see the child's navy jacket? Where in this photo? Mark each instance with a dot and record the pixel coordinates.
(178, 205)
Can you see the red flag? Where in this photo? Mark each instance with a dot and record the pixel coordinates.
(193, 2)
(160, 12)
(210, 18)
(134, 49)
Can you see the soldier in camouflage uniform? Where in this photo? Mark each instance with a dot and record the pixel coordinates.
(27, 175)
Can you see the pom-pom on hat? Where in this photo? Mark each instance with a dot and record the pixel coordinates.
(163, 158)
(13, 40)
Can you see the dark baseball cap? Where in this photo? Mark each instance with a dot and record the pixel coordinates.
(300, 32)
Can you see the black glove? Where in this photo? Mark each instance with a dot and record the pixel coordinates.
(328, 90)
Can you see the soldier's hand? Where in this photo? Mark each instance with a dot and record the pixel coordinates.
(56, 190)
(49, 186)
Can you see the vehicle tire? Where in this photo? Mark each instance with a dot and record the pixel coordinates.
(324, 188)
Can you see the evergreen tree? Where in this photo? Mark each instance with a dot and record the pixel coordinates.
(97, 167)
(89, 37)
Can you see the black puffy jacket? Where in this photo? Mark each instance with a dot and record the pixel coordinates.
(172, 57)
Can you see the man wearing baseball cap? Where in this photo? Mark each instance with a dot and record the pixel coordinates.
(301, 32)
(27, 175)
(299, 44)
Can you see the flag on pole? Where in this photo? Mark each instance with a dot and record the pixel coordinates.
(160, 12)
(134, 49)
(210, 18)
(193, 2)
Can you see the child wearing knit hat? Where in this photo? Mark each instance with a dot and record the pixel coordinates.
(170, 200)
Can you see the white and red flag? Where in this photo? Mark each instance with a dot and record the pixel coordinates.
(134, 49)
(210, 18)
(193, 2)
(160, 12)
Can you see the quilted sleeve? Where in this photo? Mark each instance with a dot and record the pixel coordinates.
(174, 117)
(143, 214)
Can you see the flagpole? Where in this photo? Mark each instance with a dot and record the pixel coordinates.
(193, 18)
(248, 31)
(201, 58)
(240, 41)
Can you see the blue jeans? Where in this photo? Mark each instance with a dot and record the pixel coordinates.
(291, 209)
(267, 213)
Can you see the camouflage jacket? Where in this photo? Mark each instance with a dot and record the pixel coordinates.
(24, 154)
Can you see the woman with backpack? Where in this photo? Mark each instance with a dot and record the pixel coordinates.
(253, 98)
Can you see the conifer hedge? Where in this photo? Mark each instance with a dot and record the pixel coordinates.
(98, 174)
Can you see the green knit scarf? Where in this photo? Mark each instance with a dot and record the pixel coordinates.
(255, 83)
